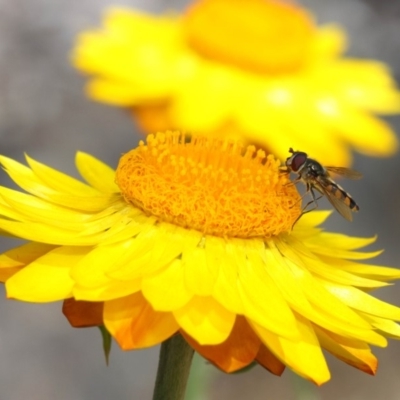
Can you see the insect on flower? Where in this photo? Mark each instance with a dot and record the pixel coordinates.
(315, 176)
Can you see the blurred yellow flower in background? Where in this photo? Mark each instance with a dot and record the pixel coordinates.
(195, 237)
(261, 70)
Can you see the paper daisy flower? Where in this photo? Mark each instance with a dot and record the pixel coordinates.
(258, 69)
(195, 237)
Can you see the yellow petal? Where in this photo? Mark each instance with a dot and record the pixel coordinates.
(385, 326)
(29, 284)
(351, 255)
(284, 106)
(353, 352)
(25, 254)
(303, 356)
(367, 134)
(171, 241)
(311, 220)
(205, 320)
(96, 173)
(45, 234)
(166, 290)
(118, 93)
(216, 108)
(108, 291)
(335, 275)
(324, 249)
(329, 43)
(24, 206)
(338, 241)
(362, 301)
(226, 290)
(30, 182)
(85, 204)
(91, 274)
(238, 351)
(312, 301)
(201, 266)
(263, 302)
(296, 256)
(379, 273)
(7, 273)
(24, 176)
(12, 261)
(58, 181)
(91, 270)
(116, 223)
(362, 84)
(303, 255)
(135, 325)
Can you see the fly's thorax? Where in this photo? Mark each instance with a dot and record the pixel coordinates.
(313, 169)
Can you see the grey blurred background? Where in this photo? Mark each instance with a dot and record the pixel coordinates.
(44, 112)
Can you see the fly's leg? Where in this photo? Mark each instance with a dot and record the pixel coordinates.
(308, 189)
(313, 201)
(294, 182)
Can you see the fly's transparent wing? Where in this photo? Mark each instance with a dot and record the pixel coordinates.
(346, 172)
(338, 203)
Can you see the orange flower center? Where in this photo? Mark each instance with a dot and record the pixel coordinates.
(213, 186)
(266, 36)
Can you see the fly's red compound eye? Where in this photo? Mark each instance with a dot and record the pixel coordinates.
(296, 161)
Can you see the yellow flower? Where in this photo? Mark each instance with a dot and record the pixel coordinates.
(257, 69)
(195, 237)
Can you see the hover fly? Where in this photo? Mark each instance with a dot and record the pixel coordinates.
(317, 177)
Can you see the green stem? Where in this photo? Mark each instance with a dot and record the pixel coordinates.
(173, 369)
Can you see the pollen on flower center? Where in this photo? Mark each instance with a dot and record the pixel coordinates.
(267, 36)
(214, 186)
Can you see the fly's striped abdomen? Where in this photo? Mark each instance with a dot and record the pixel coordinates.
(341, 194)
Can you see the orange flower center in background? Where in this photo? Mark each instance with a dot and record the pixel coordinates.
(210, 185)
(265, 36)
